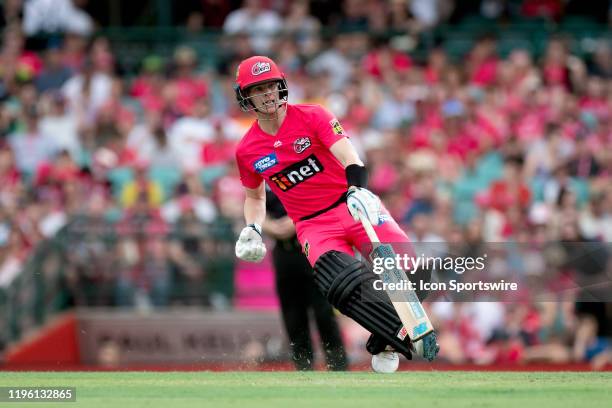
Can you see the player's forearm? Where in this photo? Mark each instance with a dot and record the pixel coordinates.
(254, 210)
(346, 154)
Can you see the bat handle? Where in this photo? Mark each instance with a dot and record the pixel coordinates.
(367, 226)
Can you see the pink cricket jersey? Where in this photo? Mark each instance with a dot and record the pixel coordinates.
(296, 162)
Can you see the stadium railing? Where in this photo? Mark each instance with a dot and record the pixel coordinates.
(83, 263)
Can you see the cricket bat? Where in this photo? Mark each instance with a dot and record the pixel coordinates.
(410, 310)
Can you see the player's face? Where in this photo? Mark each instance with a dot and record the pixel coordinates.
(265, 97)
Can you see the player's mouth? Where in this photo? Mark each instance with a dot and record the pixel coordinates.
(269, 105)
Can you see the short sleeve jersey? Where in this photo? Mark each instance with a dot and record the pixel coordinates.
(296, 162)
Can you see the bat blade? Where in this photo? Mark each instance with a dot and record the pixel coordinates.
(406, 302)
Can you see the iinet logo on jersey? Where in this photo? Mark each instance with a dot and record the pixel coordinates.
(297, 173)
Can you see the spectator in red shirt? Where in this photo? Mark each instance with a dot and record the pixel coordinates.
(220, 150)
(482, 62)
(383, 62)
(188, 85)
(148, 86)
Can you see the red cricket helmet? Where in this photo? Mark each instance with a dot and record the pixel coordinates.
(256, 70)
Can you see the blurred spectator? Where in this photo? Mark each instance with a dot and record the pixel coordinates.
(261, 24)
(31, 147)
(148, 283)
(596, 218)
(62, 127)
(87, 92)
(190, 197)
(428, 13)
(191, 260)
(300, 24)
(141, 190)
(188, 134)
(555, 69)
(400, 17)
(384, 62)
(187, 87)
(353, 17)
(148, 86)
(115, 110)
(11, 13)
(483, 62)
(149, 141)
(52, 16)
(12, 253)
(602, 61)
(395, 111)
(222, 147)
(102, 56)
(550, 9)
(74, 51)
(583, 162)
(546, 154)
(55, 73)
(215, 12)
(11, 183)
(17, 65)
(334, 62)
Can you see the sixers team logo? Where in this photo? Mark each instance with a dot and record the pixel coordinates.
(301, 144)
(260, 67)
(297, 173)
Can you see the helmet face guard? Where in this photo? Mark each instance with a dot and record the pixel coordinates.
(255, 71)
(245, 103)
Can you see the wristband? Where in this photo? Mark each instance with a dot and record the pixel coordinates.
(356, 175)
(256, 227)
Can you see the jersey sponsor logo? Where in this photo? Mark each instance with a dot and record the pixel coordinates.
(260, 67)
(265, 163)
(297, 173)
(336, 127)
(301, 144)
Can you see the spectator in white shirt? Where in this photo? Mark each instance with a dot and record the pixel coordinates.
(61, 126)
(53, 16)
(31, 148)
(87, 92)
(261, 25)
(189, 133)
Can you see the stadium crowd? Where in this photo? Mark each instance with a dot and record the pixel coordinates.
(488, 149)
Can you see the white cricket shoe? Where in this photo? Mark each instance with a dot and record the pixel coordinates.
(385, 362)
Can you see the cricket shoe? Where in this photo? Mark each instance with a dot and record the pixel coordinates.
(427, 347)
(385, 362)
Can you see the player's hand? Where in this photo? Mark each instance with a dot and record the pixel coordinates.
(250, 246)
(362, 200)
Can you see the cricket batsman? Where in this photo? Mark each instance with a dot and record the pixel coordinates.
(304, 155)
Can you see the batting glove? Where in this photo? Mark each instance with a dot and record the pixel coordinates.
(359, 199)
(250, 246)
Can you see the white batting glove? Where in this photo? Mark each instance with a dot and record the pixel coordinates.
(250, 246)
(362, 200)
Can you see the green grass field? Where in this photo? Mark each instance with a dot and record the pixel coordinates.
(321, 389)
